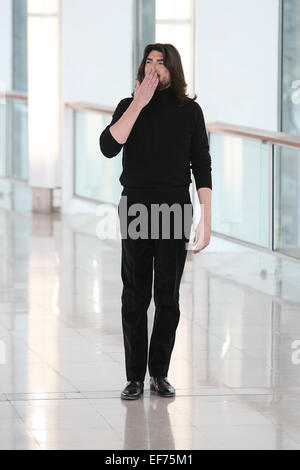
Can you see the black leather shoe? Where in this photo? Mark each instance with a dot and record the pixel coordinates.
(161, 386)
(133, 390)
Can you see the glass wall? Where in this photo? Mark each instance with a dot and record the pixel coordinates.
(143, 32)
(14, 111)
(166, 21)
(19, 57)
(2, 136)
(174, 24)
(287, 200)
(287, 160)
(17, 139)
(14, 138)
(256, 192)
(240, 197)
(291, 67)
(96, 177)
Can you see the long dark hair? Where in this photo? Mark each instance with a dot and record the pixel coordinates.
(172, 61)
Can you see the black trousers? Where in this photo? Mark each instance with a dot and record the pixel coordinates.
(142, 260)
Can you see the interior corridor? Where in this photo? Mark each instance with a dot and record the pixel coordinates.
(235, 364)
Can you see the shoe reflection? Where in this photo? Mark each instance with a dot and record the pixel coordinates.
(147, 423)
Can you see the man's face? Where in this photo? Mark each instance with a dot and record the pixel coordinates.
(155, 61)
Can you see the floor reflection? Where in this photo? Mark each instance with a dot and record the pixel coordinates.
(151, 427)
(235, 364)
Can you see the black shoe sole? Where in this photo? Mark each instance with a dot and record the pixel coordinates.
(128, 397)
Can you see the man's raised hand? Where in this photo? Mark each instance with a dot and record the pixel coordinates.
(144, 91)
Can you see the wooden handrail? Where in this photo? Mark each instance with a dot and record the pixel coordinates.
(255, 133)
(219, 127)
(90, 107)
(14, 94)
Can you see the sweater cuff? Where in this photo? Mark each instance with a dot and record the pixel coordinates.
(115, 145)
(110, 145)
(202, 182)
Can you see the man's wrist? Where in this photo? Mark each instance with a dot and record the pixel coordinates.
(135, 107)
(206, 212)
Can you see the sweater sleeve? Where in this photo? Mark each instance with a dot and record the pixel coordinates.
(200, 159)
(109, 146)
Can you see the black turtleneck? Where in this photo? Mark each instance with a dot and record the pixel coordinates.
(166, 142)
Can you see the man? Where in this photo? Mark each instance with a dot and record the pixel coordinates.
(164, 137)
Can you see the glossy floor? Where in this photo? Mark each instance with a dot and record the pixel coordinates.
(235, 364)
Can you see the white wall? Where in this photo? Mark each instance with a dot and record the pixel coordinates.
(97, 50)
(96, 68)
(237, 60)
(5, 44)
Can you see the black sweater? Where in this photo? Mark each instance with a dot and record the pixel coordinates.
(164, 145)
